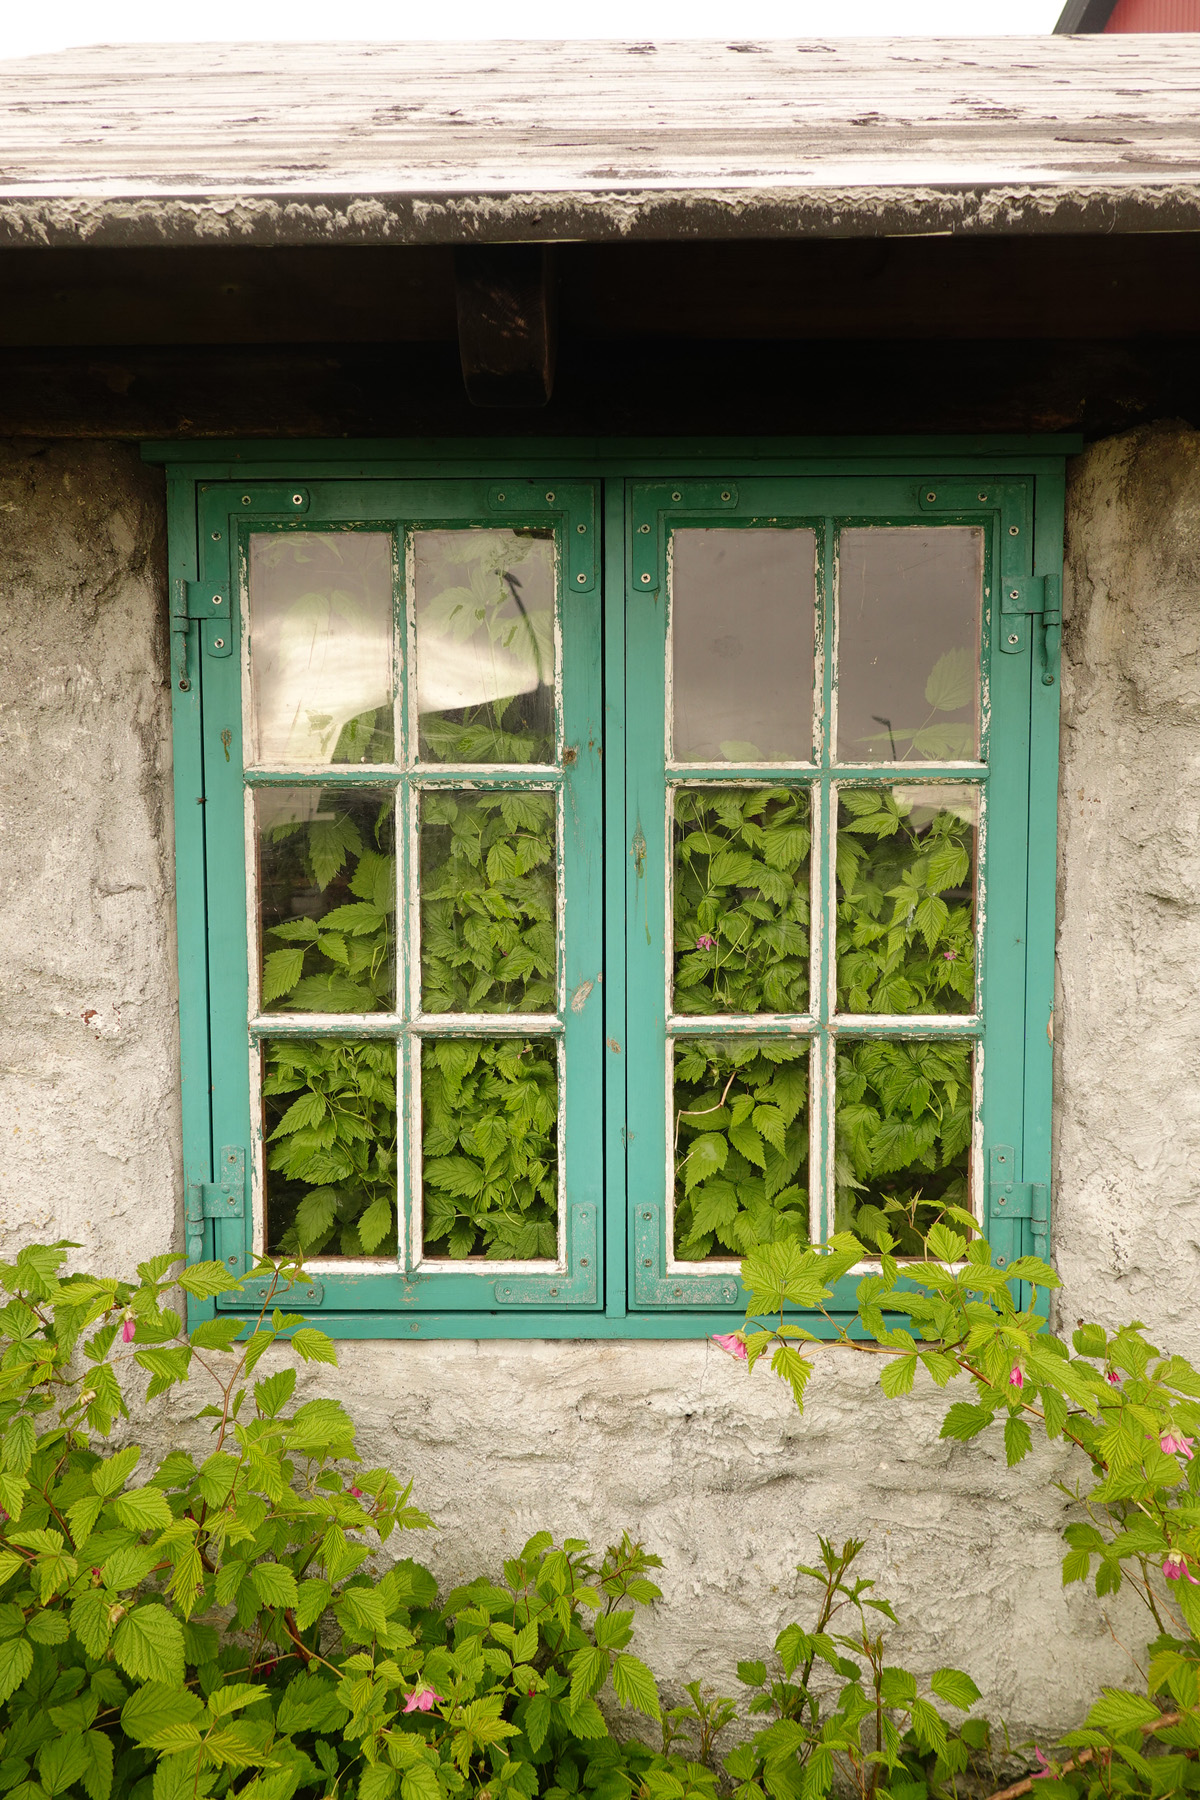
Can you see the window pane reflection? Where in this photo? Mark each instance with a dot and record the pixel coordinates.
(743, 606)
(321, 646)
(910, 602)
(485, 645)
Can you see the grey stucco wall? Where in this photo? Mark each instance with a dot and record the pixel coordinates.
(715, 1471)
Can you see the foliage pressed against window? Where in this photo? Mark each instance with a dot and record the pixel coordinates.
(786, 780)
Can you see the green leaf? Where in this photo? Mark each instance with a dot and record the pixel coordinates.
(110, 1476)
(635, 1686)
(143, 1509)
(151, 1708)
(420, 1783)
(16, 1660)
(274, 1584)
(952, 681)
(62, 1761)
(897, 1377)
(97, 1778)
(955, 1688)
(706, 1157)
(964, 1421)
(204, 1280)
(1017, 1440)
(312, 1599)
(148, 1644)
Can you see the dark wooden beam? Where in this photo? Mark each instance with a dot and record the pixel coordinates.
(633, 388)
(506, 323)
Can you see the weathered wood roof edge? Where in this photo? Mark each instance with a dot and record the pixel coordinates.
(459, 142)
(615, 216)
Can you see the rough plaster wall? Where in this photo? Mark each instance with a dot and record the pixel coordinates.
(713, 1470)
(1127, 1109)
(89, 1114)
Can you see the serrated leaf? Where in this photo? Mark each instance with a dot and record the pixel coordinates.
(148, 1644)
(635, 1686)
(955, 1688)
(16, 1660)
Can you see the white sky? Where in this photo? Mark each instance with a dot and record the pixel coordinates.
(29, 29)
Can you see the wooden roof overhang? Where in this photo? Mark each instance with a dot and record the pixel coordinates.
(190, 232)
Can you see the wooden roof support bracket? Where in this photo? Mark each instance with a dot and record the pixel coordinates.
(506, 322)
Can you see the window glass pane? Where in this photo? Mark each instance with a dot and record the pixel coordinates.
(327, 898)
(741, 899)
(741, 1145)
(904, 1117)
(485, 645)
(906, 870)
(910, 603)
(488, 901)
(489, 1122)
(321, 646)
(329, 1121)
(743, 607)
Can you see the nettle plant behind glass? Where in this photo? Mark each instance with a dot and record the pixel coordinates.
(410, 898)
(825, 816)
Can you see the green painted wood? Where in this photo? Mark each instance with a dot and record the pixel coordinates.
(443, 483)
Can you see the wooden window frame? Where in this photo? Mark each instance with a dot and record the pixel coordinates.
(628, 1287)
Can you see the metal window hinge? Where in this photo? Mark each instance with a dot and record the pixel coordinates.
(221, 1199)
(209, 602)
(1009, 1199)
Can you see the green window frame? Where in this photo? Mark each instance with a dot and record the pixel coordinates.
(613, 1209)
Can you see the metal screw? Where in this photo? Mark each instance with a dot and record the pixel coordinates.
(1014, 593)
(581, 578)
(983, 496)
(677, 496)
(297, 499)
(550, 499)
(553, 1292)
(216, 537)
(1013, 638)
(647, 1215)
(414, 1328)
(646, 580)
(312, 1293)
(245, 499)
(644, 529)
(218, 643)
(216, 599)
(646, 1264)
(184, 686)
(1014, 531)
(583, 1262)
(931, 496)
(499, 496)
(725, 496)
(581, 528)
(233, 1261)
(678, 1293)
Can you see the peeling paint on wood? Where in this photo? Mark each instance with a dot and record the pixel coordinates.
(460, 143)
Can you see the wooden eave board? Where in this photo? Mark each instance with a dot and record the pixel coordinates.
(400, 142)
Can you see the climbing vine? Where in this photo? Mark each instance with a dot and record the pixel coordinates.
(330, 1122)
(337, 867)
(489, 1112)
(905, 914)
(741, 899)
(904, 1117)
(488, 888)
(741, 1144)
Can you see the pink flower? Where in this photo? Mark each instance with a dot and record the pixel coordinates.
(1017, 1377)
(1112, 1377)
(706, 942)
(128, 1328)
(1175, 1444)
(357, 1493)
(1045, 1769)
(731, 1343)
(949, 955)
(1175, 1568)
(421, 1700)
